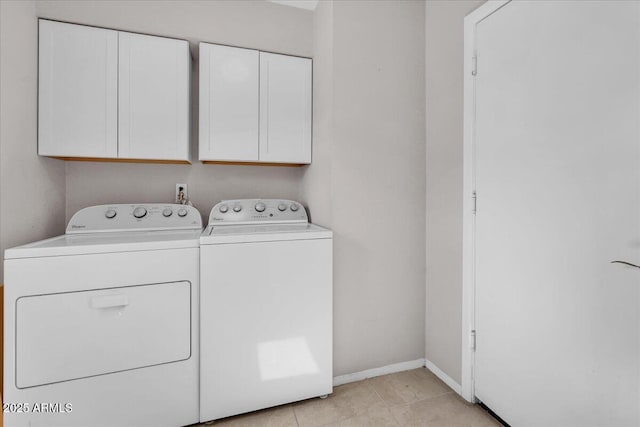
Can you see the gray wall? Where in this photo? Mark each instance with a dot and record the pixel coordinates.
(371, 117)
(253, 24)
(444, 104)
(32, 189)
(367, 180)
(316, 180)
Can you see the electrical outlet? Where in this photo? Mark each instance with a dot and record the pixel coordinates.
(185, 192)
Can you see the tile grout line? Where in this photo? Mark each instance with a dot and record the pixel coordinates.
(387, 406)
(377, 394)
(293, 409)
(405, 404)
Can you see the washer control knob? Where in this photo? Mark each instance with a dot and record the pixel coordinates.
(237, 208)
(182, 212)
(224, 208)
(167, 213)
(110, 213)
(294, 207)
(260, 207)
(282, 207)
(140, 212)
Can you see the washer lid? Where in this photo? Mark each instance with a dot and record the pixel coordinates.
(262, 233)
(95, 243)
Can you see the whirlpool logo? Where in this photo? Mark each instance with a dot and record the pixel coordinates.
(78, 226)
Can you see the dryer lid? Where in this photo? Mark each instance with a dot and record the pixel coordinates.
(120, 228)
(95, 243)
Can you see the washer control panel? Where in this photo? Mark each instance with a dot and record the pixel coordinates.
(257, 211)
(138, 217)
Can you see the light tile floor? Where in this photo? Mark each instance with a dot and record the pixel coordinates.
(411, 398)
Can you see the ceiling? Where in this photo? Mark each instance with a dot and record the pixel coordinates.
(302, 4)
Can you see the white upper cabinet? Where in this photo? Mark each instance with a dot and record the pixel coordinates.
(285, 106)
(153, 97)
(78, 98)
(254, 106)
(229, 81)
(112, 94)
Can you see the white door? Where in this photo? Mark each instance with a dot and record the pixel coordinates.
(558, 198)
(285, 109)
(153, 113)
(228, 103)
(77, 93)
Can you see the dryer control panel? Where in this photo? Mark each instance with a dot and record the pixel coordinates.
(138, 217)
(257, 211)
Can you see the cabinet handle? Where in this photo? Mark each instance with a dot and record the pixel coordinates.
(625, 263)
(108, 301)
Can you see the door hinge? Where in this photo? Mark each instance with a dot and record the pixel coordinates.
(472, 340)
(474, 196)
(474, 65)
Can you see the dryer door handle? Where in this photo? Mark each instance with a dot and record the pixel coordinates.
(109, 301)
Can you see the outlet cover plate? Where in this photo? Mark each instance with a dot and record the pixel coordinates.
(185, 190)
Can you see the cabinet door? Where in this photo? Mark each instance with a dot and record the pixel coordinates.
(228, 103)
(285, 109)
(78, 77)
(153, 97)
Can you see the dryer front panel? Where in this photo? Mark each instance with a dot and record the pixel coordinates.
(71, 335)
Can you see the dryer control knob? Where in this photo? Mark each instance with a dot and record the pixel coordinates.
(282, 207)
(110, 213)
(260, 207)
(237, 208)
(139, 212)
(224, 208)
(167, 212)
(294, 207)
(182, 212)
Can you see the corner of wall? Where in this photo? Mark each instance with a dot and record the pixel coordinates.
(444, 22)
(315, 187)
(32, 188)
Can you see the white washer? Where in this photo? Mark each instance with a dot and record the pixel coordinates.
(266, 307)
(102, 322)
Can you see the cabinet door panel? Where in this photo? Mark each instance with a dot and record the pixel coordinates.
(78, 77)
(153, 97)
(228, 103)
(285, 109)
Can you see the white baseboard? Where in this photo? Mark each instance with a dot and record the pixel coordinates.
(376, 372)
(444, 377)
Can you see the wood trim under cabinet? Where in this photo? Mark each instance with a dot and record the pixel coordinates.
(222, 162)
(101, 159)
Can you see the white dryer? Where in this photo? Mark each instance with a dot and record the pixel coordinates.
(266, 307)
(101, 323)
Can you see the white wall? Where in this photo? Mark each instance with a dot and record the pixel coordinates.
(444, 103)
(32, 189)
(367, 180)
(253, 24)
(316, 181)
(370, 125)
